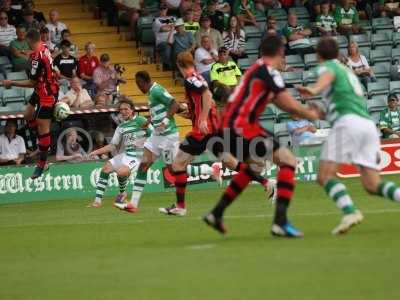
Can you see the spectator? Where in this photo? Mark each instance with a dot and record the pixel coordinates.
(45, 37)
(225, 75)
(106, 78)
(224, 6)
(180, 40)
(87, 64)
(161, 28)
(206, 30)
(297, 36)
(172, 4)
(14, 15)
(216, 16)
(20, 50)
(271, 29)
(204, 57)
(301, 130)
(325, 22)
(37, 15)
(347, 18)
(99, 141)
(387, 8)
(130, 13)
(12, 146)
(29, 22)
(389, 121)
(65, 64)
(7, 35)
(234, 39)
(55, 27)
(70, 150)
(190, 25)
(245, 11)
(77, 97)
(359, 64)
(66, 36)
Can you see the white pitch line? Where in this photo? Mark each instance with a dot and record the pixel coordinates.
(171, 218)
(200, 247)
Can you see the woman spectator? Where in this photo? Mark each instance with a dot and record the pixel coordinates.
(234, 39)
(77, 97)
(70, 150)
(359, 64)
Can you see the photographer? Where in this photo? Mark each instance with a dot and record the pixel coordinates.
(107, 78)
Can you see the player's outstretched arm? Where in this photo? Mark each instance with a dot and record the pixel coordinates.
(206, 107)
(106, 149)
(22, 83)
(323, 82)
(287, 103)
(174, 108)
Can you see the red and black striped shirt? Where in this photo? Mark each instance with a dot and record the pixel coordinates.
(195, 85)
(256, 89)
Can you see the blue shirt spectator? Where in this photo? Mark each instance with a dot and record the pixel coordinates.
(301, 130)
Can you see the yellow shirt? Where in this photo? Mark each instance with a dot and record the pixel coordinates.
(193, 27)
(225, 74)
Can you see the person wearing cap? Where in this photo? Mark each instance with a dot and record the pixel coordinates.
(12, 146)
(180, 40)
(225, 75)
(205, 29)
(204, 57)
(162, 26)
(389, 121)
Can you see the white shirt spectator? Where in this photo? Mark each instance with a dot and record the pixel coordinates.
(7, 34)
(55, 31)
(202, 54)
(162, 36)
(75, 100)
(362, 63)
(11, 149)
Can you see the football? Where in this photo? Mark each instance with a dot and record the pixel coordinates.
(61, 111)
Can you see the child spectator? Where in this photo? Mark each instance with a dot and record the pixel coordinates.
(45, 37)
(66, 36)
(190, 25)
(325, 22)
(347, 19)
(65, 63)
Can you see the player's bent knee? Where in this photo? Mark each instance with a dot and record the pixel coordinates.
(107, 168)
(124, 172)
(322, 179)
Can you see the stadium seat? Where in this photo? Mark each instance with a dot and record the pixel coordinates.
(279, 14)
(321, 124)
(394, 87)
(381, 87)
(5, 62)
(294, 61)
(396, 39)
(382, 70)
(395, 55)
(309, 77)
(28, 93)
(17, 75)
(314, 41)
(300, 11)
(342, 41)
(293, 77)
(365, 24)
(252, 46)
(381, 55)
(294, 92)
(362, 40)
(280, 24)
(245, 63)
(282, 116)
(310, 60)
(252, 32)
(12, 107)
(304, 22)
(382, 23)
(13, 95)
(269, 113)
(281, 132)
(383, 38)
(366, 51)
(375, 106)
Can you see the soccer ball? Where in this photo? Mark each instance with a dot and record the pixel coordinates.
(61, 111)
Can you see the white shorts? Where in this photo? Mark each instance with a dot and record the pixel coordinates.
(165, 146)
(122, 160)
(355, 140)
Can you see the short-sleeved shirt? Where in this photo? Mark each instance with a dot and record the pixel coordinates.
(225, 73)
(298, 138)
(130, 135)
(7, 35)
(182, 42)
(160, 102)
(55, 31)
(11, 149)
(346, 17)
(162, 36)
(19, 45)
(66, 65)
(192, 27)
(345, 95)
(83, 100)
(195, 86)
(250, 98)
(201, 54)
(87, 65)
(362, 63)
(299, 43)
(390, 119)
(327, 22)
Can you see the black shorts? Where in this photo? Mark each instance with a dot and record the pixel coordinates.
(194, 146)
(228, 141)
(41, 111)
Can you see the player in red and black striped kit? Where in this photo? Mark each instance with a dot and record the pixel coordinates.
(242, 136)
(39, 110)
(203, 114)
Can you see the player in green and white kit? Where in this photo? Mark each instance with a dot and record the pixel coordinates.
(353, 139)
(130, 135)
(164, 140)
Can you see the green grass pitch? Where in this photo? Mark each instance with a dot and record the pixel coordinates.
(62, 250)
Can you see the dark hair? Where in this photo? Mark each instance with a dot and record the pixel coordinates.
(44, 29)
(328, 48)
(27, 12)
(65, 31)
(33, 35)
(143, 76)
(126, 101)
(104, 57)
(20, 26)
(271, 46)
(238, 27)
(324, 2)
(65, 43)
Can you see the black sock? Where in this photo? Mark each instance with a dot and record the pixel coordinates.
(219, 209)
(281, 212)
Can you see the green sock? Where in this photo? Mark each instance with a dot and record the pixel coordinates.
(122, 182)
(138, 186)
(338, 192)
(101, 186)
(389, 190)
